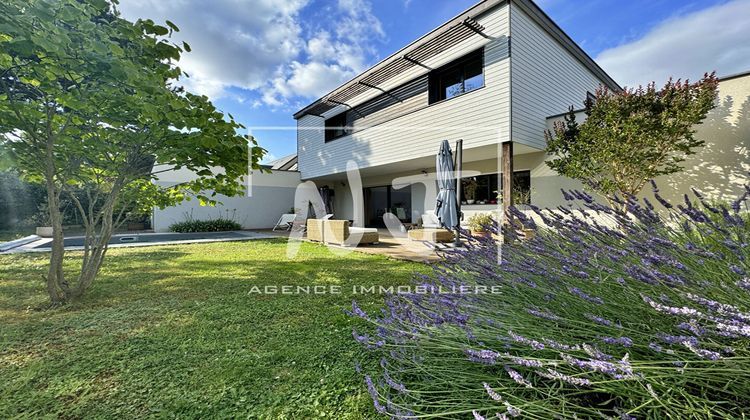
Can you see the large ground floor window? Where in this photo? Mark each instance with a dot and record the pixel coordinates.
(386, 199)
(484, 189)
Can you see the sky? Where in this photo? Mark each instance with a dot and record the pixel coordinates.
(263, 60)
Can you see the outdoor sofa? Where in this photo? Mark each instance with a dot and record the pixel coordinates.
(340, 233)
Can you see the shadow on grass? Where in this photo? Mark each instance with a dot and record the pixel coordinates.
(176, 330)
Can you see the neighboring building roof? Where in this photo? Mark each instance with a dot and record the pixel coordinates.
(287, 163)
(438, 40)
(734, 76)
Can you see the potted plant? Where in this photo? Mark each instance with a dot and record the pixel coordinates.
(478, 223)
(42, 221)
(470, 190)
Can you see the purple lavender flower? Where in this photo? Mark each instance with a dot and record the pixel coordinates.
(513, 411)
(595, 353)
(477, 416)
(553, 374)
(523, 362)
(374, 394)
(672, 310)
(392, 383)
(737, 270)
(743, 330)
(744, 283)
(367, 340)
(705, 354)
(517, 377)
(536, 345)
(616, 370)
(676, 339)
(487, 357)
(491, 392)
(581, 294)
(693, 327)
(357, 311)
(601, 321)
(623, 341)
(543, 314)
(722, 308)
(560, 346)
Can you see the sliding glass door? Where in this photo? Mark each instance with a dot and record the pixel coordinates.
(381, 200)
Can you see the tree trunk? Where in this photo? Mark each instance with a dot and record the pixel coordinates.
(57, 287)
(99, 243)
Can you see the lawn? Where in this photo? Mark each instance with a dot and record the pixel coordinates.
(176, 331)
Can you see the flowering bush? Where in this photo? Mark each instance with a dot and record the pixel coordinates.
(646, 316)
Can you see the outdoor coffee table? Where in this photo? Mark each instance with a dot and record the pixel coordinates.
(432, 235)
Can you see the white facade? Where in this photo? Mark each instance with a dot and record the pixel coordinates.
(531, 71)
(480, 118)
(268, 196)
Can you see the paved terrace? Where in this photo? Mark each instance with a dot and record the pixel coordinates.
(399, 247)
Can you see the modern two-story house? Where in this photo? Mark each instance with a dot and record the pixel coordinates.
(492, 77)
(496, 77)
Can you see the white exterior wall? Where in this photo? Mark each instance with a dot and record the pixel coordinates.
(480, 117)
(270, 195)
(546, 79)
(719, 169)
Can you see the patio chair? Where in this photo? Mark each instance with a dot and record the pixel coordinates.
(285, 221)
(430, 220)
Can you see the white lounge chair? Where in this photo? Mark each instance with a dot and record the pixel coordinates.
(430, 220)
(285, 221)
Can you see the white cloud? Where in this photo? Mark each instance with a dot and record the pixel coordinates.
(686, 46)
(234, 43)
(263, 45)
(332, 56)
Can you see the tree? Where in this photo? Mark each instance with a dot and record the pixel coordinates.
(631, 137)
(90, 102)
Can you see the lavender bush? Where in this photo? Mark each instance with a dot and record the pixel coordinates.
(647, 316)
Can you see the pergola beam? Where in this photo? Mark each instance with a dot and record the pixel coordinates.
(346, 105)
(385, 92)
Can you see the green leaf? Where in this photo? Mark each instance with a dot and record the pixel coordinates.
(173, 26)
(160, 30)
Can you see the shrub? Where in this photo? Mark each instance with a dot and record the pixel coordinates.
(481, 222)
(212, 225)
(648, 318)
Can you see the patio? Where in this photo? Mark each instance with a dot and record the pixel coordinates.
(398, 246)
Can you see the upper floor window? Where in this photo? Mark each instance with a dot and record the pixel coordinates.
(457, 77)
(336, 126)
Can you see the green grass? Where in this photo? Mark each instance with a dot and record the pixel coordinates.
(174, 331)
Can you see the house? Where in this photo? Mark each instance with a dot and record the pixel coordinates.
(496, 76)
(491, 77)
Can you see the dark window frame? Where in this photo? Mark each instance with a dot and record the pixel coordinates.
(489, 194)
(336, 126)
(436, 94)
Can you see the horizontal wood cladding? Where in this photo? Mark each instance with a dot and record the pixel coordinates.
(390, 105)
(546, 79)
(403, 127)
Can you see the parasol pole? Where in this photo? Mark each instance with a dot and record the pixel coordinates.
(458, 166)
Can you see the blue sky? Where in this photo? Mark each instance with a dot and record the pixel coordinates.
(262, 60)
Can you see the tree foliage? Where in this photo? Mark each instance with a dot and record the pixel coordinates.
(631, 137)
(91, 102)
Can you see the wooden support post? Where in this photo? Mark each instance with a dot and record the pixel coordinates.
(507, 170)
